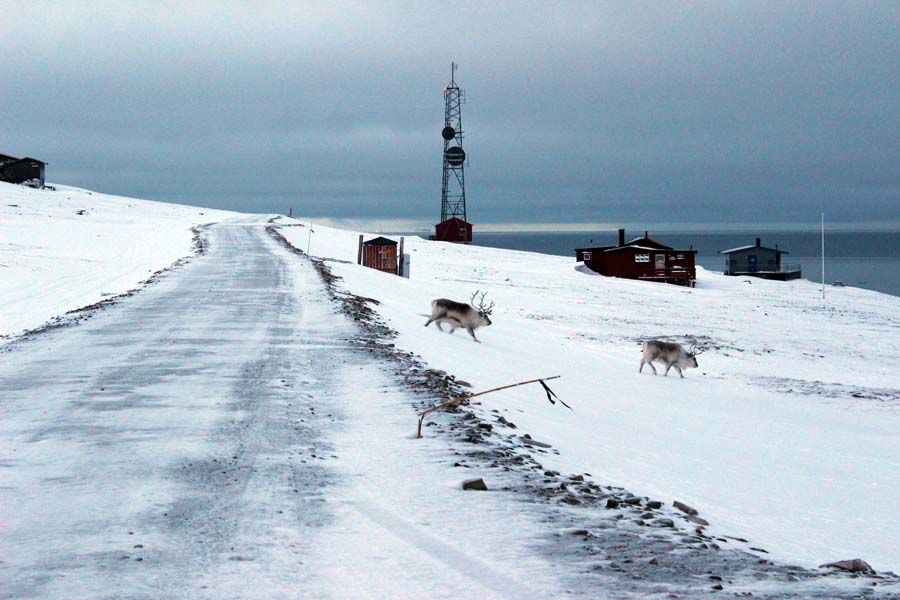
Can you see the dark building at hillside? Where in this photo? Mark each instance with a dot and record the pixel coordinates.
(758, 261)
(22, 170)
(453, 230)
(641, 258)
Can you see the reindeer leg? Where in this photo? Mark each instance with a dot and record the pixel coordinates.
(472, 333)
(677, 368)
(438, 324)
(668, 366)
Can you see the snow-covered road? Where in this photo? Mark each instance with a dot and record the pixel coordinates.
(216, 435)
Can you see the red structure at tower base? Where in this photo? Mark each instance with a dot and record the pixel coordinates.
(453, 230)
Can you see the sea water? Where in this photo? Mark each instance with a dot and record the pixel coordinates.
(868, 260)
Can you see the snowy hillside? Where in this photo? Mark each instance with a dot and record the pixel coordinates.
(65, 249)
(786, 435)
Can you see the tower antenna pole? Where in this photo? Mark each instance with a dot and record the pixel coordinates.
(453, 182)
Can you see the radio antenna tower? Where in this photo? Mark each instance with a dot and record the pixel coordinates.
(453, 188)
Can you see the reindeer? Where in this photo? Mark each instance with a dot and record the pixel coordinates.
(672, 355)
(461, 316)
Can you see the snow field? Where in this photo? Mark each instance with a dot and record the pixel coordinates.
(786, 435)
(53, 259)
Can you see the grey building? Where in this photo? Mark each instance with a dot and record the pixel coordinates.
(759, 261)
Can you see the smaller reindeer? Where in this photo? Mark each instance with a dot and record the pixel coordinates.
(461, 316)
(671, 355)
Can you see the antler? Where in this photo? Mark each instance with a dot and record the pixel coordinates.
(481, 307)
(695, 350)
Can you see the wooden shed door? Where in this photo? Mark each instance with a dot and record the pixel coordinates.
(660, 262)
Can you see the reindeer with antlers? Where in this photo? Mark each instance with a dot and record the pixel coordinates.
(671, 355)
(461, 316)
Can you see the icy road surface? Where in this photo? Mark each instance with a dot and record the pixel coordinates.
(217, 436)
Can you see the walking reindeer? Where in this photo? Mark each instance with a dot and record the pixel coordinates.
(461, 316)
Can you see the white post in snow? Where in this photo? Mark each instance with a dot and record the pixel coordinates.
(823, 254)
(309, 240)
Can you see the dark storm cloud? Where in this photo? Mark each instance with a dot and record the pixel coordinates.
(684, 112)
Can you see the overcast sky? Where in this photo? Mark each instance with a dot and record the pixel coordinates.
(577, 113)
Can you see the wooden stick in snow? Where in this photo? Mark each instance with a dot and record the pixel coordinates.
(453, 402)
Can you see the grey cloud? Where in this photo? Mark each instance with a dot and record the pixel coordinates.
(594, 112)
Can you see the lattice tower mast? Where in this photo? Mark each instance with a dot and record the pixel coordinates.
(453, 189)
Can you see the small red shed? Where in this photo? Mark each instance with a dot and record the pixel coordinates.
(380, 253)
(453, 230)
(641, 258)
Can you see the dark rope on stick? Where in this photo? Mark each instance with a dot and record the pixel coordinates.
(553, 394)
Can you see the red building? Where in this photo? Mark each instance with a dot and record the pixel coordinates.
(380, 253)
(453, 230)
(641, 258)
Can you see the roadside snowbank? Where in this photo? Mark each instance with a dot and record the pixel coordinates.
(787, 434)
(64, 249)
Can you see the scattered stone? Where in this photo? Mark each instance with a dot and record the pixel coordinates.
(486, 426)
(475, 484)
(715, 578)
(698, 520)
(853, 565)
(551, 473)
(571, 499)
(759, 550)
(653, 561)
(718, 586)
(577, 478)
(653, 504)
(612, 503)
(530, 442)
(685, 508)
(632, 500)
(581, 532)
(663, 523)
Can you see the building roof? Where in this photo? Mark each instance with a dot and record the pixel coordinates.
(380, 241)
(633, 247)
(593, 248)
(646, 241)
(451, 219)
(753, 246)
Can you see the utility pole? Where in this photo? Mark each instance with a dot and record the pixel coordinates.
(823, 254)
